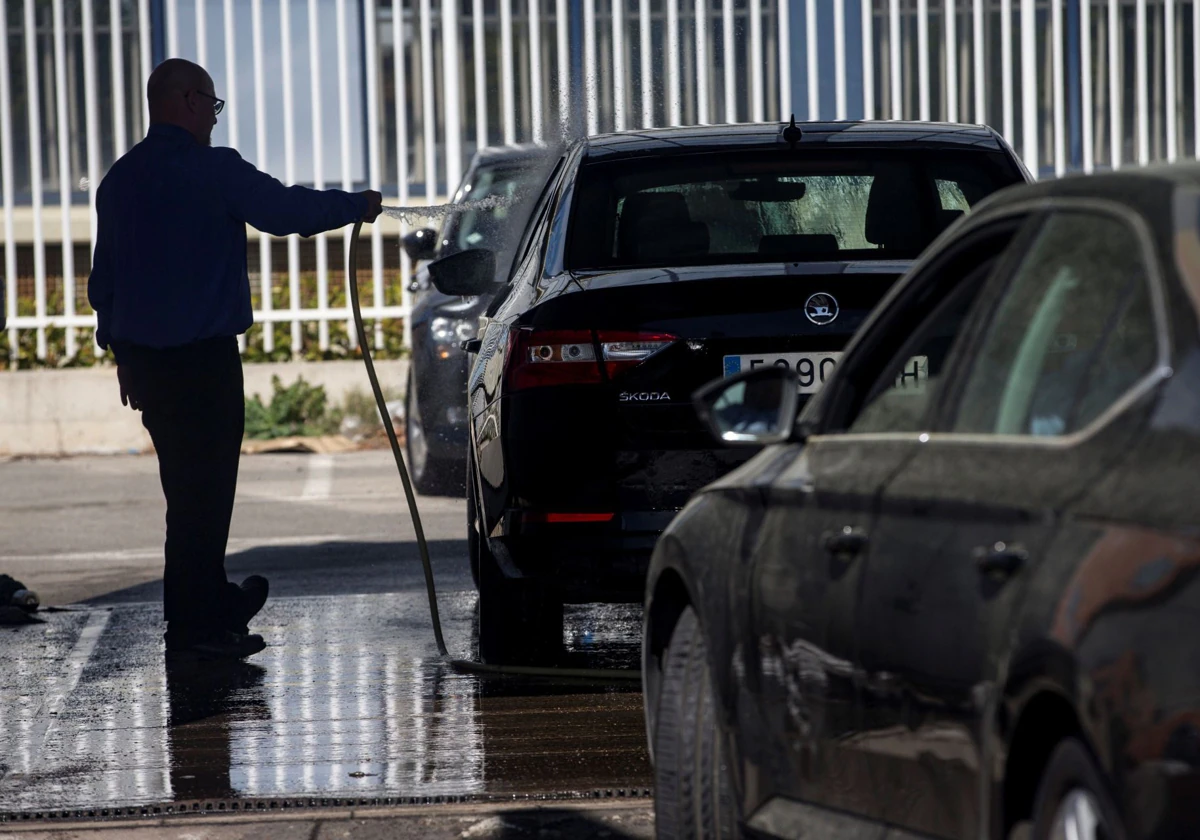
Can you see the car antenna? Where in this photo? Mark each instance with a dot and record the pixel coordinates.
(792, 134)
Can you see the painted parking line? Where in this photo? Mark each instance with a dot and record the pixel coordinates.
(319, 483)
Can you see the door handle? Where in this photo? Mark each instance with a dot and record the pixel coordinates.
(1002, 560)
(846, 543)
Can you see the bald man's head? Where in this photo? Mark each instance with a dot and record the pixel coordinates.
(181, 93)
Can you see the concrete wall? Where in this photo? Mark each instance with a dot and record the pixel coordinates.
(76, 411)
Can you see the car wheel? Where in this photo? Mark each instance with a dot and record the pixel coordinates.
(1072, 801)
(693, 790)
(520, 620)
(431, 476)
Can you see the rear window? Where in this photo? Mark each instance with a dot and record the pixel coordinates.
(775, 206)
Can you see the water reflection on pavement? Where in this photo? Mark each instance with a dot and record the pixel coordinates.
(348, 700)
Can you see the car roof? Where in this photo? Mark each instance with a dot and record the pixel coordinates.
(516, 153)
(882, 133)
(1141, 187)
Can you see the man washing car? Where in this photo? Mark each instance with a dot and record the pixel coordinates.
(171, 292)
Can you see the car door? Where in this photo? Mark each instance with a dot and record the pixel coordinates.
(1026, 427)
(808, 562)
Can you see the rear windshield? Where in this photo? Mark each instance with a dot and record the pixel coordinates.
(774, 206)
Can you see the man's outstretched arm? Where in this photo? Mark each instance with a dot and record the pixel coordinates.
(262, 201)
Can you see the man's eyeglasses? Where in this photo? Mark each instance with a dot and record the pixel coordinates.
(218, 104)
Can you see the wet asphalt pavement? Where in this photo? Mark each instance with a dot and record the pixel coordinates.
(348, 705)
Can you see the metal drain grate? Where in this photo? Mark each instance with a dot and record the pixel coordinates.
(279, 805)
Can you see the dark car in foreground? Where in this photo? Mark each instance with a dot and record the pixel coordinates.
(653, 262)
(435, 415)
(969, 608)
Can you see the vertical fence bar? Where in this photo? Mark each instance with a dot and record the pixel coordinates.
(289, 165)
(951, 61)
(1196, 78)
(785, 57)
(1029, 85)
(674, 96)
(923, 59)
(266, 286)
(701, 61)
(429, 114)
(343, 78)
(480, 68)
(1116, 119)
(145, 53)
(645, 65)
(756, 60)
(564, 67)
(839, 58)
(117, 53)
(231, 95)
(6, 190)
(202, 32)
(1141, 82)
(1060, 108)
(171, 13)
(812, 59)
(91, 115)
(33, 102)
(728, 56)
(535, 70)
(1085, 84)
(508, 97)
(618, 48)
(1006, 70)
(374, 164)
(62, 130)
(977, 62)
(317, 125)
(894, 58)
(451, 94)
(590, 82)
(868, 58)
(1172, 121)
(400, 84)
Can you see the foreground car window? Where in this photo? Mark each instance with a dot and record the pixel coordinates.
(1073, 331)
(774, 206)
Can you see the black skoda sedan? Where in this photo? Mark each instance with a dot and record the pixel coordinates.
(435, 415)
(969, 606)
(653, 262)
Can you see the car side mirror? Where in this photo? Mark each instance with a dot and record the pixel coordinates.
(465, 274)
(420, 244)
(755, 408)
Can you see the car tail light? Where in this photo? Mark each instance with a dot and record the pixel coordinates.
(577, 357)
(561, 518)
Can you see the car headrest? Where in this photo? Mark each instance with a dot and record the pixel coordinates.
(894, 212)
(799, 243)
(657, 227)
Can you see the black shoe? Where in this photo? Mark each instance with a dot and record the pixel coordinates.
(254, 596)
(221, 645)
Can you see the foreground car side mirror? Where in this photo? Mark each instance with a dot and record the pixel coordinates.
(420, 244)
(755, 408)
(465, 274)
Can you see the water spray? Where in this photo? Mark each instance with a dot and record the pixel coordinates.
(464, 665)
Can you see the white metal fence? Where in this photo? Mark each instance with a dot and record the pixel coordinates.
(397, 94)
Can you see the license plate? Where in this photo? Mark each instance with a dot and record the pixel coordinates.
(813, 369)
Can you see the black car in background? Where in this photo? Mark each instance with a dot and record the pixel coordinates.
(967, 609)
(653, 262)
(435, 398)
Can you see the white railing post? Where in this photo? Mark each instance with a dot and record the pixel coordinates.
(756, 59)
(145, 54)
(266, 281)
(839, 59)
(318, 166)
(479, 50)
(33, 104)
(894, 51)
(289, 166)
(508, 100)
(1170, 89)
(977, 62)
(702, 62)
(812, 60)
(1141, 84)
(618, 59)
(374, 163)
(1006, 71)
(64, 172)
(537, 111)
(1060, 106)
(117, 60)
(951, 27)
(868, 58)
(343, 78)
(1085, 84)
(6, 189)
(1029, 87)
(1116, 120)
(923, 59)
(400, 85)
(590, 82)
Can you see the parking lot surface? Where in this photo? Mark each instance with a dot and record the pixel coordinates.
(348, 702)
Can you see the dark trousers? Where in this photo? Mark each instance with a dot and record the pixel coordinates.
(193, 408)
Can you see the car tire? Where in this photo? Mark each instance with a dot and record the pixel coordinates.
(431, 476)
(1073, 795)
(693, 789)
(520, 620)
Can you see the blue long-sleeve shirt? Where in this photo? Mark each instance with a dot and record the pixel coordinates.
(170, 262)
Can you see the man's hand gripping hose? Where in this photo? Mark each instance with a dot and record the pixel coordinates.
(465, 665)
